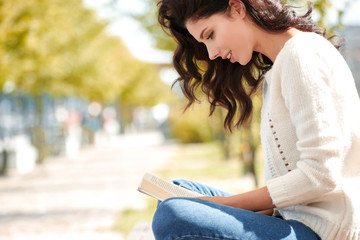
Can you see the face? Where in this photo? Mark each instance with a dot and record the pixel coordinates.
(228, 37)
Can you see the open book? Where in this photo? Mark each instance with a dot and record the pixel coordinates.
(161, 189)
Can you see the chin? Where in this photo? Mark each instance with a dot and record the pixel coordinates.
(244, 61)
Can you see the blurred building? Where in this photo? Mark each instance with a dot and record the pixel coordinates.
(351, 51)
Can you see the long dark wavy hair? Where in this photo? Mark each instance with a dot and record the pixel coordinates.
(226, 84)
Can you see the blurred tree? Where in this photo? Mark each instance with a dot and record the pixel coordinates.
(63, 49)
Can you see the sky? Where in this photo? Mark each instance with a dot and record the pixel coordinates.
(140, 43)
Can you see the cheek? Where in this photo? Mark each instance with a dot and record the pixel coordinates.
(242, 49)
(224, 39)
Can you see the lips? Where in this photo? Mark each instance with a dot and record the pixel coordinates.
(229, 56)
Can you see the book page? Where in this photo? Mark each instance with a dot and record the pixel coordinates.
(161, 189)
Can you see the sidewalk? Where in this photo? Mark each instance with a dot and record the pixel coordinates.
(78, 198)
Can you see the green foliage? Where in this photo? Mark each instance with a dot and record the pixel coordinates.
(201, 161)
(322, 8)
(62, 48)
(190, 127)
(194, 125)
(40, 41)
(149, 21)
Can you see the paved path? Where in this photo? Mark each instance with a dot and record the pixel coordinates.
(78, 198)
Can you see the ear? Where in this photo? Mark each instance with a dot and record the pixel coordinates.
(238, 7)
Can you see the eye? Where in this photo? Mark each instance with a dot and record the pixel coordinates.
(210, 35)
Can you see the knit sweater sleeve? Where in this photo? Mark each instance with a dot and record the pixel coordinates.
(307, 89)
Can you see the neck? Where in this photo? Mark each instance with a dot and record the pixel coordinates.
(270, 44)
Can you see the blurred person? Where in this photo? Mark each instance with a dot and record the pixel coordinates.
(310, 119)
(73, 133)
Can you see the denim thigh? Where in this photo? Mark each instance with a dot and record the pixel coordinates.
(191, 218)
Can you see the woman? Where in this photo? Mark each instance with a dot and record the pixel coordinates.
(310, 121)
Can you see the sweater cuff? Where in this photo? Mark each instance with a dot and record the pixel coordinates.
(289, 189)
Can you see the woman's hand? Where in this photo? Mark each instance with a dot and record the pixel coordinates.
(216, 199)
(268, 212)
(257, 200)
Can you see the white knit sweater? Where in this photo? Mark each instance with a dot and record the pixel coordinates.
(310, 132)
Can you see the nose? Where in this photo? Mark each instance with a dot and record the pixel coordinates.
(213, 52)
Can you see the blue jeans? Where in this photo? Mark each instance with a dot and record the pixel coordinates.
(191, 218)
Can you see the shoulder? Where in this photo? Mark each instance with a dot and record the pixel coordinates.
(308, 54)
(307, 47)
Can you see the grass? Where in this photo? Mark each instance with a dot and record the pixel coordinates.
(198, 162)
(126, 219)
(201, 161)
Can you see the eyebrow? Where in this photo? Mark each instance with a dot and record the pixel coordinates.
(202, 33)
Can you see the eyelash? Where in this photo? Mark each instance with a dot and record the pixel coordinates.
(210, 35)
